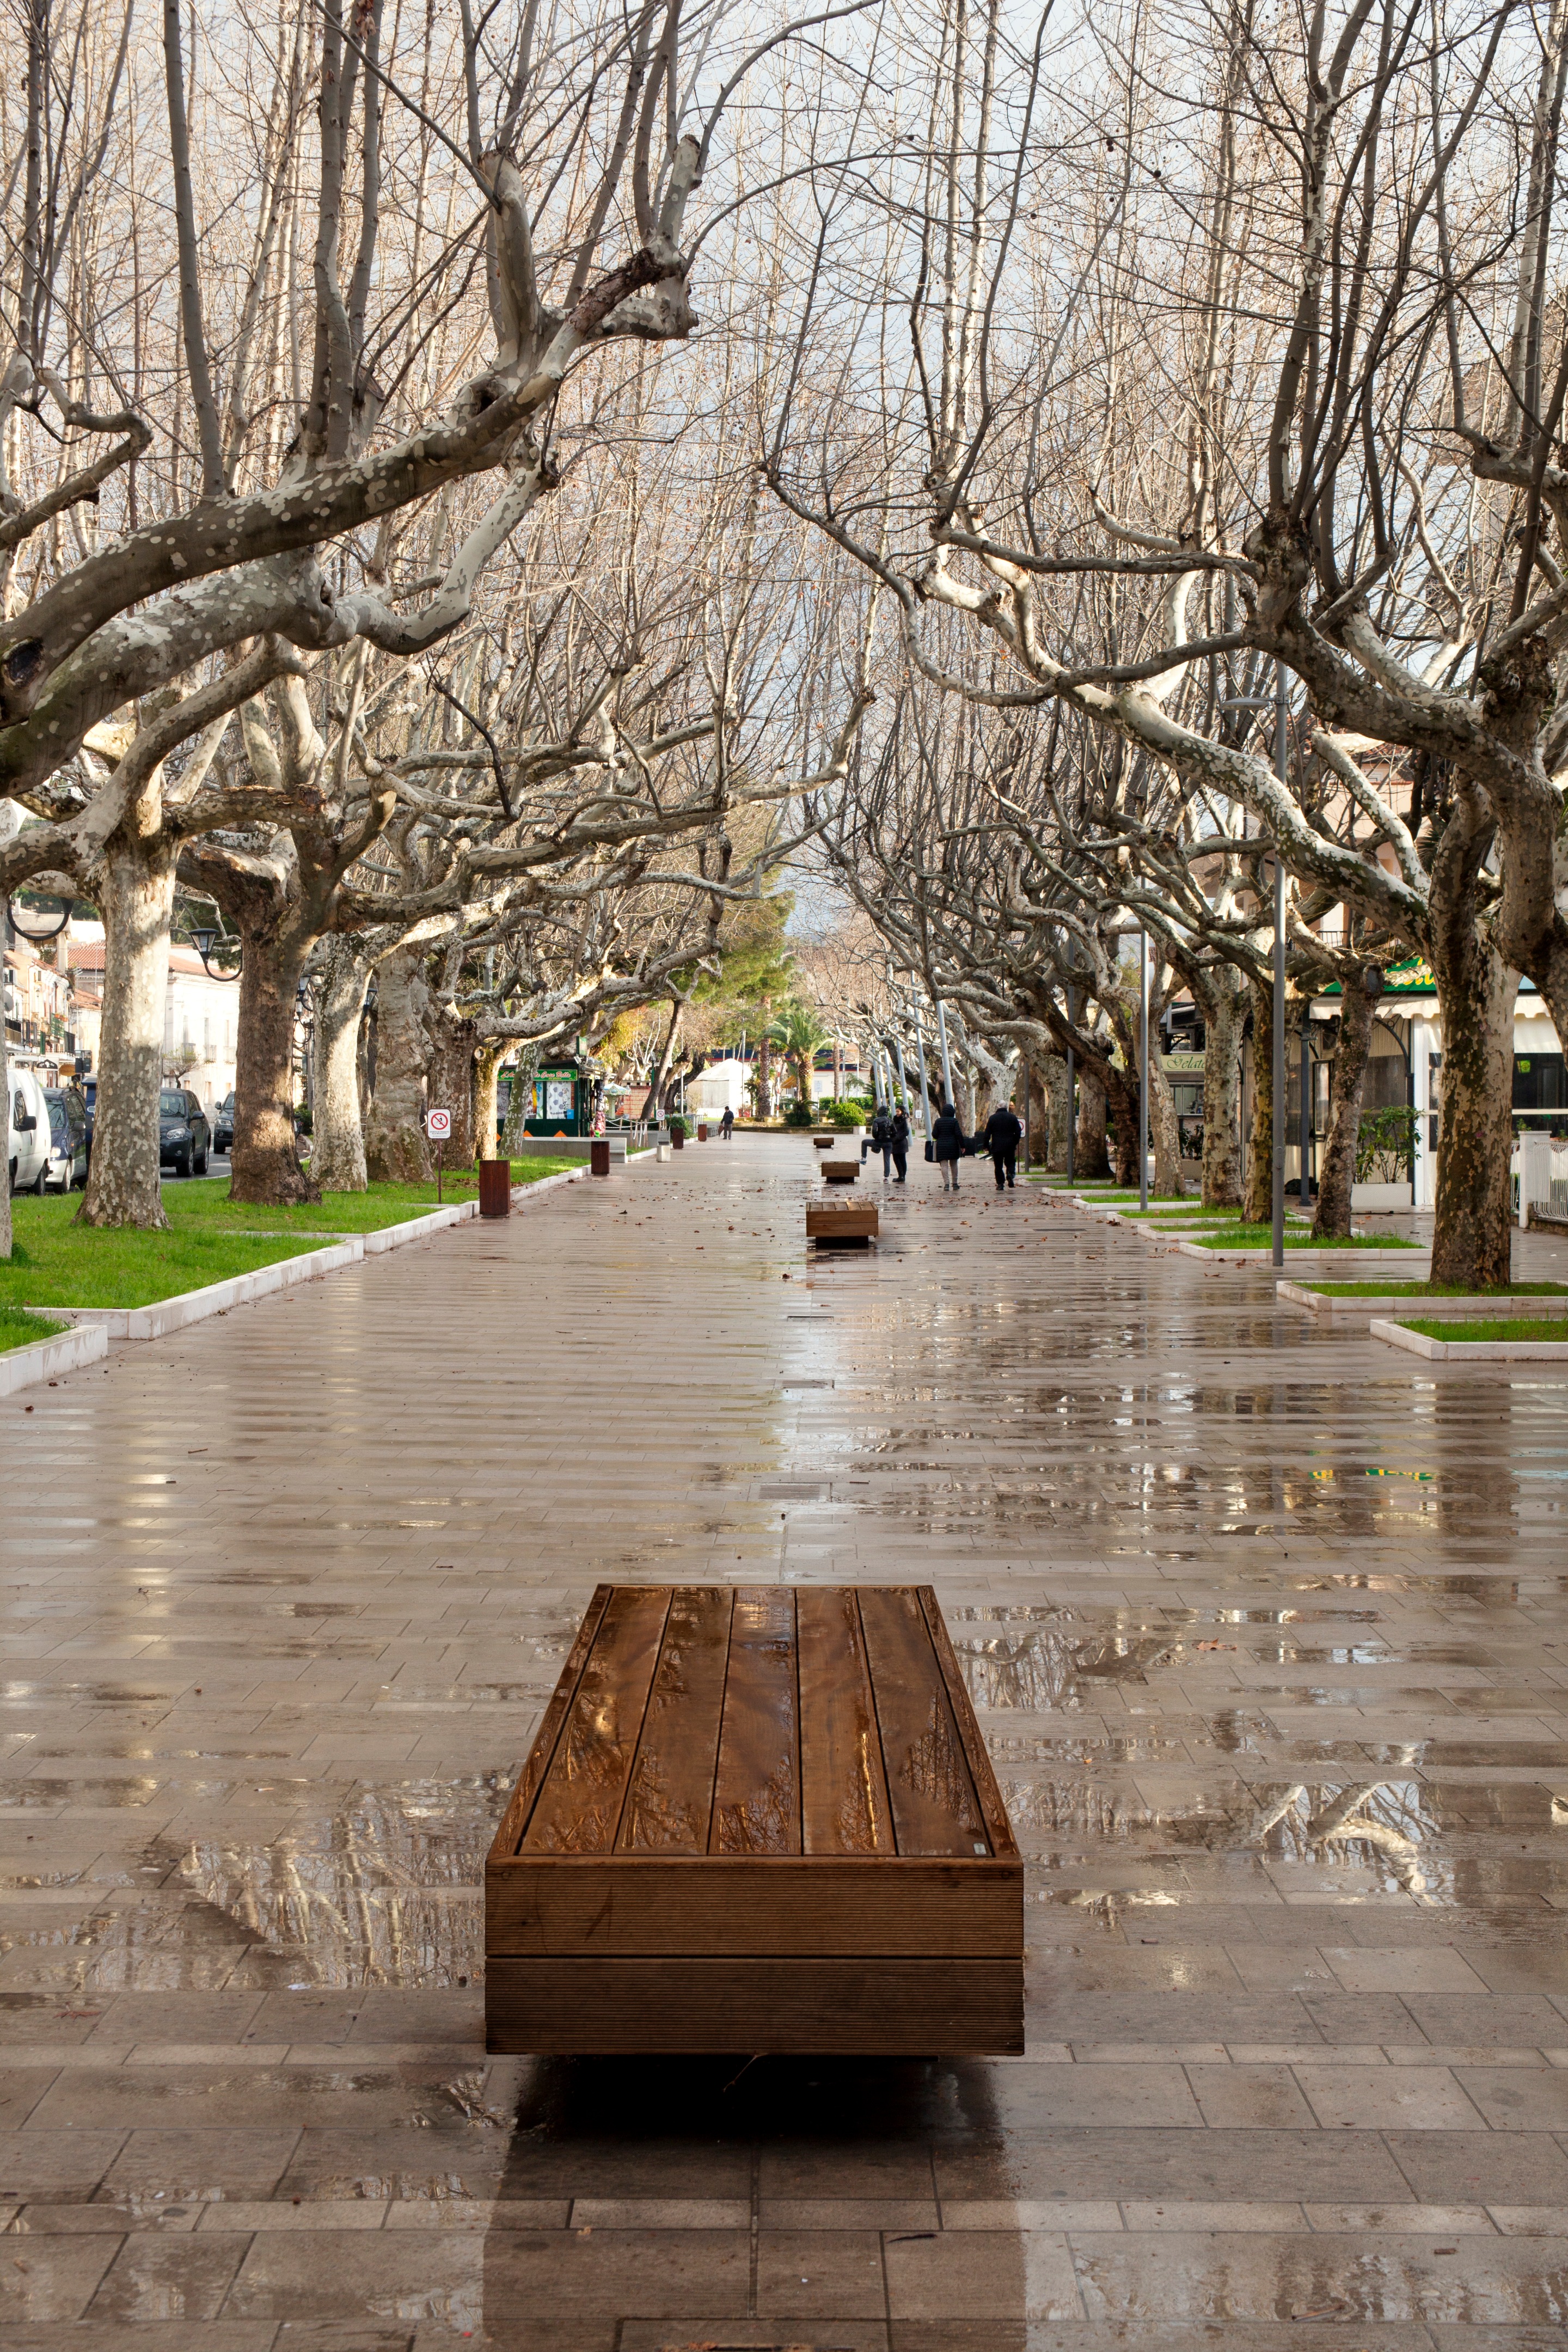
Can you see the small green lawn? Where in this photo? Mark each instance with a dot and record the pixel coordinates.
(1261, 1237)
(1539, 1326)
(202, 1206)
(1441, 1290)
(56, 1263)
(19, 1330)
(1191, 1209)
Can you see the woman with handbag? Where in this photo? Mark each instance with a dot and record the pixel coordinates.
(947, 1135)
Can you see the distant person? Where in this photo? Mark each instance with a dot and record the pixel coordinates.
(882, 1141)
(1002, 1136)
(900, 1146)
(726, 1124)
(947, 1135)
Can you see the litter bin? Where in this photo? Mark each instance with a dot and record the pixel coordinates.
(599, 1155)
(702, 1130)
(495, 1188)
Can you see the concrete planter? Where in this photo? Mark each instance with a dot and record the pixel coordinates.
(187, 1306)
(1346, 1265)
(45, 1359)
(1471, 1310)
(1473, 1351)
(1381, 1196)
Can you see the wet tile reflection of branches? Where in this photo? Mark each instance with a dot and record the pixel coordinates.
(385, 1891)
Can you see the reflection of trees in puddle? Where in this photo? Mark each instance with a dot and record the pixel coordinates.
(1044, 1668)
(1376, 1824)
(385, 1891)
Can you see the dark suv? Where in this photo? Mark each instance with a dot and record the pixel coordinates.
(223, 1124)
(185, 1138)
(70, 1142)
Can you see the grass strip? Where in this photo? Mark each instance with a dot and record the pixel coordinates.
(62, 1264)
(1261, 1237)
(1515, 1328)
(1441, 1290)
(21, 1330)
(202, 1206)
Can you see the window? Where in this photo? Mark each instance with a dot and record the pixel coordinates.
(1538, 1082)
(170, 1106)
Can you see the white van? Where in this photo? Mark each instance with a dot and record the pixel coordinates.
(28, 1122)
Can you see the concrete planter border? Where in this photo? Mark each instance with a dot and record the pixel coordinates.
(1414, 1262)
(1473, 1351)
(1468, 1310)
(166, 1314)
(45, 1359)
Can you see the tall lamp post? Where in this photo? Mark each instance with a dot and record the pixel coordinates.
(921, 1050)
(1278, 1122)
(1143, 1070)
(948, 1095)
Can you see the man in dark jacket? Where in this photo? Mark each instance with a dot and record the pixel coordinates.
(900, 1146)
(947, 1135)
(1002, 1137)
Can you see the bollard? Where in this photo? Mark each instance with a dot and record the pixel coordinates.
(495, 1188)
(702, 1130)
(661, 1151)
(599, 1155)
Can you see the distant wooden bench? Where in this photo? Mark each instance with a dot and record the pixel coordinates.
(835, 1224)
(757, 1819)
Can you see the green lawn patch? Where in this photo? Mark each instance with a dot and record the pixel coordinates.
(56, 1263)
(204, 1205)
(1192, 1209)
(1440, 1291)
(1539, 1327)
(1261, 1237)
(19, 1330)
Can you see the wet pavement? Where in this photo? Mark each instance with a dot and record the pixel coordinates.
(1266, 1631)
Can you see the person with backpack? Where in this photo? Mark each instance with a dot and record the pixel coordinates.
(900, 1146)
(947, 1135)
(882, 1141)
(1001, 1137)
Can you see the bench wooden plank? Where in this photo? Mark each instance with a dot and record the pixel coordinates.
(821, 2008)
(756, 1798)
(579, 1806)
(509, 1837)
(998, 1827)
(829, 1906)
(935, 1809)
(669, 1803)
(844, 1789)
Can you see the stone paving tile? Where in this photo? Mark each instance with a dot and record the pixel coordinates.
(1270, 1641)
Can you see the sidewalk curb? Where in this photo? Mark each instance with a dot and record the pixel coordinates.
(1473, 1351)
(45, 1360)
(1417, 1263)
(1350, 1310)
(168, 1315)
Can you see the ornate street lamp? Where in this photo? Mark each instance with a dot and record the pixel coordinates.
(36, 938)
(203, 941)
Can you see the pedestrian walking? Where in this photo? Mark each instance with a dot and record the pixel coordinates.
(726, 1124)
(947, 1135)
(882, 1141)
(1002, 1136)
(900, 1146)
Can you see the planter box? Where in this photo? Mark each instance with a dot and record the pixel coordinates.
(1381, 1196)
(1351, 1310)
(1474, 1351)
(167, 1314)
(45, 1359)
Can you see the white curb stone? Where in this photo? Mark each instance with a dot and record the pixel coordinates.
(167, 1314)
(1473, 1351)
(45, 1359)
(1471, 1310)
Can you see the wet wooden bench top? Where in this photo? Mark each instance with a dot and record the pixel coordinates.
(759, 1721)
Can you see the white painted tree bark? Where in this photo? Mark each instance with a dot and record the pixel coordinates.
(133, 888)
(396, 1149)
(337, 1127)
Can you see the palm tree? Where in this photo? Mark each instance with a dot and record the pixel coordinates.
(796, 1032)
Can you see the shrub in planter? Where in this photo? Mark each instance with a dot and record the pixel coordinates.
(1385, 1144)
(678, 1126)
(797, 1114)
(843, 1114)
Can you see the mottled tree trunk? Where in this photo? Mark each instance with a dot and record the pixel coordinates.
(396, 1149)
(452, 1084)
(1224, 1012)
(133, 887)
(1472, 1232)
(1259, 1207)
(487, 1071)
(10, 826)
(1336, 1173)
(1091, 1156)
(1165, 1129)
(265, 1163)
(514, 1141)
(1057, 1111)
(337, 1126)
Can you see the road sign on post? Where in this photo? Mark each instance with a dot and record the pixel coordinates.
(438, 1127)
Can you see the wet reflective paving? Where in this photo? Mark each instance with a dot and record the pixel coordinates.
(1267, 1629)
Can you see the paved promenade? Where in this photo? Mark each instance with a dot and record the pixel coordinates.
(1266, 1632)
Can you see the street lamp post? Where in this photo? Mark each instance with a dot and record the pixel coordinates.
(203, 942)
(921, 1050)
(1143, 1070)
(948, 1095)
(1278, 1122)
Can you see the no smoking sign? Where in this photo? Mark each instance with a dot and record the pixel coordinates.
(438, 1125)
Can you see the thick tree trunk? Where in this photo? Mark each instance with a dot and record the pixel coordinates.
(1259, 1207)
(487, 1071)
(1092, 1157)
(396, 1149)
(1166, 1131)
(1472, 1230)
(265, 1163)
(1223, 1012)
(1049, 1143)
(337, 1126)
(133, 887)
(514, 1138)
(452, 1084)
(664, 1070)
(10, 826)
(1337, 1171)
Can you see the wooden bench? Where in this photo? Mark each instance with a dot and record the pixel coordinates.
(840, 1172)
(757, 1819)
(833, 1225)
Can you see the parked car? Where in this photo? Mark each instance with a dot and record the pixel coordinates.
(69, 1147)
(89, 1103)
(28, 1141)
(223, 1124)
(185, 1138)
